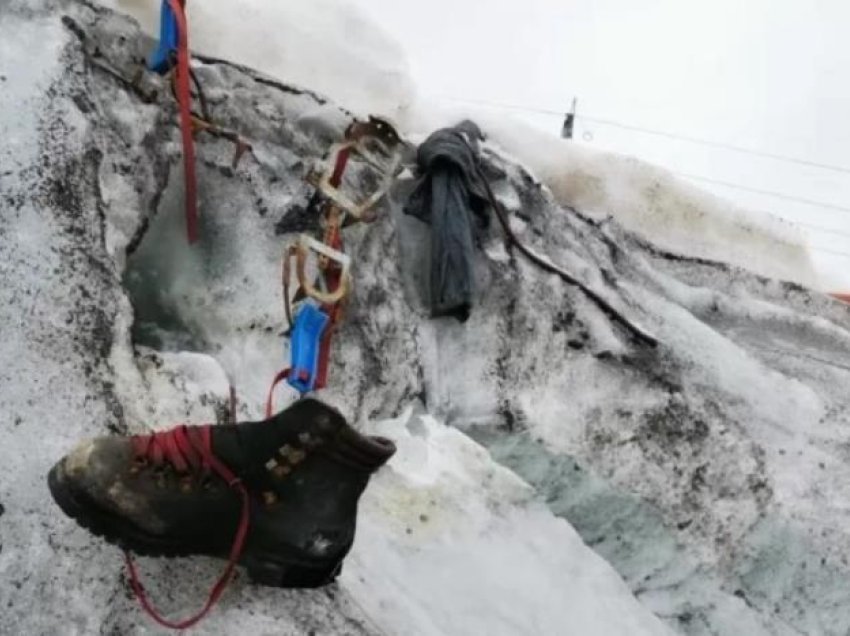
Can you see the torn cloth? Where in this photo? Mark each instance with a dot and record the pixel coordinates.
(447, 196)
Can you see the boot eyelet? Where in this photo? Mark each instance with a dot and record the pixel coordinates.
(281, 470)
(292, 454)
(310, 441)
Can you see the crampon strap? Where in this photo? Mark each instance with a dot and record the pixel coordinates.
(333, 280)
(185, 446)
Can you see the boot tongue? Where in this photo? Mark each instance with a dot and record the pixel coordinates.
(365, 452)
(320, 425)
(304, 426)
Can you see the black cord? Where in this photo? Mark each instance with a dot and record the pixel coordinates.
(547, 265)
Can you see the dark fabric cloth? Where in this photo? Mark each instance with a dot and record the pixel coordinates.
(448, 196)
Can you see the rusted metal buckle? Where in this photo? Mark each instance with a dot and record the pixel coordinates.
(377, 144)
(300, 251)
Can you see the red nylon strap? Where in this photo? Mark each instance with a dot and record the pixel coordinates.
(280, 377)
(325, 352)
(339, 166)
(332, 281)
(203, 448)
(333, 277)
(184, 100)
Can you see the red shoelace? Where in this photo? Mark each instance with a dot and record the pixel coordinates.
(190, 449)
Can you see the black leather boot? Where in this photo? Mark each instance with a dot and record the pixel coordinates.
(291, 483)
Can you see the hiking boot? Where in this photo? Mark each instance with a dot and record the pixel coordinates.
(289, 485)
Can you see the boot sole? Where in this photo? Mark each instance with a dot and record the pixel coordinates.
(119, 532)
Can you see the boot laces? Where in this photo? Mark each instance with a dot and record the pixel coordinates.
(187, 449)
(190, 448)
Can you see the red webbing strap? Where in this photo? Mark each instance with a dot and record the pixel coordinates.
(339, 166)
(204, 448)
(280, 377)
(325, 350)
(184, 100)
(332, 281)
(333, 277)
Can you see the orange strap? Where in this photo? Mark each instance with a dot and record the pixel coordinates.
(184, 101)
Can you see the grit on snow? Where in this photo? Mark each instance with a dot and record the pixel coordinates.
(89, 175)
(554, 476)
(324, 44)
(328, 46)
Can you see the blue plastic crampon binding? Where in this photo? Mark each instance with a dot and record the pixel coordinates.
(305, 342)
(169, 39)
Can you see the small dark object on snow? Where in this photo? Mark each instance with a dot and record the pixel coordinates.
(569, 122)
(449, 192)
(304, 470)
(567, 128)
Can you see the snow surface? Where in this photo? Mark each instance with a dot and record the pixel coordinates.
(326, 45)
(710, 473)
(449, 541)
(331, 47)
(647, 199)
(463, 553)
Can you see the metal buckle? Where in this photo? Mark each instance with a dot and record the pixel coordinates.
(377, 144)
(301, 251)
